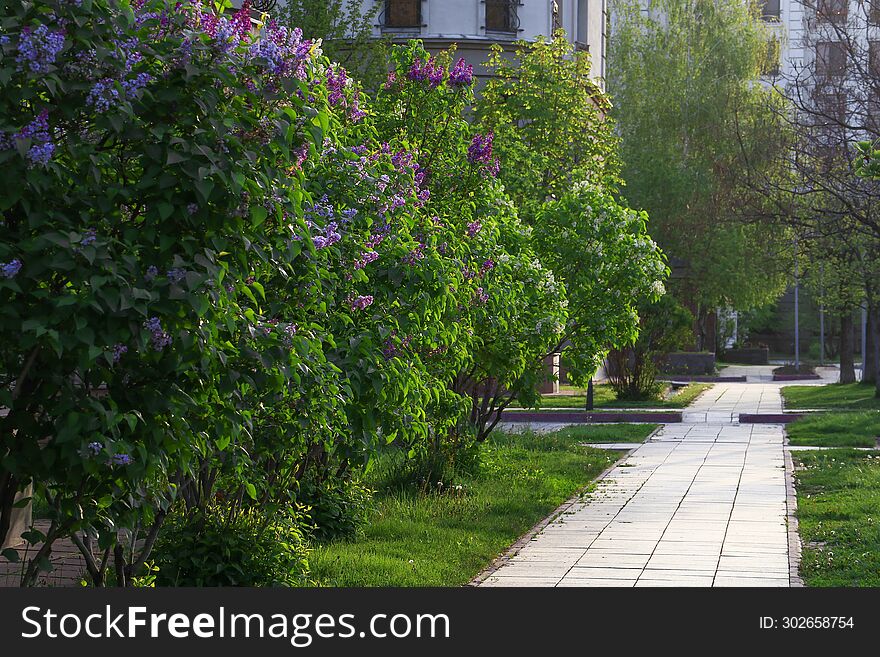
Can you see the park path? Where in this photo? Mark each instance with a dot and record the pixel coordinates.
(701, 503)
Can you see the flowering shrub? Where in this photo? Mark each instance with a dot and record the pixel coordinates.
(508, 308)
(152, 190)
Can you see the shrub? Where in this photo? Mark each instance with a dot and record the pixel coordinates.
(337, 508)
(251, 549)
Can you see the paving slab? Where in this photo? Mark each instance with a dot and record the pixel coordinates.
(701, 503)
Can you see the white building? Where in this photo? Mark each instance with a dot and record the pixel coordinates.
(830, 53)
(474, 25)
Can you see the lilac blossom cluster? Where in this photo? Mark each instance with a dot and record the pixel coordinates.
(474, 227)
(461, 75)
(361, 302)
(391, 349)
(480, 150)
(42, 148)
(38, 48)
(328, 237)
(120, 459)
(175, 275)
(366, 258)
(285, 52)
(430, 72)
(158, 337)
(415, 256)
(119, 350)
(481, 296)
(10, 269)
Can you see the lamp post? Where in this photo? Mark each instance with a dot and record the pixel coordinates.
(797, 335)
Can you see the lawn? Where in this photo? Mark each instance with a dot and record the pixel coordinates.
(836, 429)
(839, 517)
(851, 396)
(417, 539)
(604, 398)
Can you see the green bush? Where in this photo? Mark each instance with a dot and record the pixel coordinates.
(251, 549)
(338, 508)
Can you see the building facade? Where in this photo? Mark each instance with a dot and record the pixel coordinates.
(473, 26)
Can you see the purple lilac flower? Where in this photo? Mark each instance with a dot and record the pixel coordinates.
(329, 238)
(482, 297)
(349, 213)
(152, 272)
(429, 72)
(103, 95)
(474, 227)
(366, 258)
(89, 238)
(37, 131)
(414, 256)
(416, 72)
(118, 351)
(487, 265)
(461, 75)
(10, 269)
(176, 275)
(120, 459)
(361, 302)
(192, 208)
(95, 448)
(480, 150)
(133, 85)
(159, 338)
(391, 80)
(38, 49)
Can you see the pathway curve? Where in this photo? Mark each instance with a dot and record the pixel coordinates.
(702, 503)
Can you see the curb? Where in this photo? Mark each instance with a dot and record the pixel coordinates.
(670, 417)
(769, 418)
(794, 539)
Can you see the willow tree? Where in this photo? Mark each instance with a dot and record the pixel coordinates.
(684, 81)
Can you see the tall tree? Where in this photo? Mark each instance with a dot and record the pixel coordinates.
(683, 84)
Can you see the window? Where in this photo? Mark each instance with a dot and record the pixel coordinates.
(832, 10)
(501, 15)
(582, 23)
(770, 9)
(830, 58)
(403, 13)
(830, 109)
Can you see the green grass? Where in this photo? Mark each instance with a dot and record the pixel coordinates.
(604, 398)
(850, 396)
(839, 517)
(417, 539)
(836, 429)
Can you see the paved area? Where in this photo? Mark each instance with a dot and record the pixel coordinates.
(702, 503)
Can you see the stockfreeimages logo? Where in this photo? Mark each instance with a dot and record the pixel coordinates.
(300, 629)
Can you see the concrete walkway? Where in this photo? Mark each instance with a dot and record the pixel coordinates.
(702, 503)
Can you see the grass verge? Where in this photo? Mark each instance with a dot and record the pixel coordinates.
(418, 539)
(850, 396)
(839, 517)
(604, 398)
(836, 429)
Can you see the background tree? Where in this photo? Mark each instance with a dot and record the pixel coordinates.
(559, 155)
(683, 83)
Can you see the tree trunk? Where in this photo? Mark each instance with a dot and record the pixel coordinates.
(869, 373)
(847, 369)
(875, 343)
